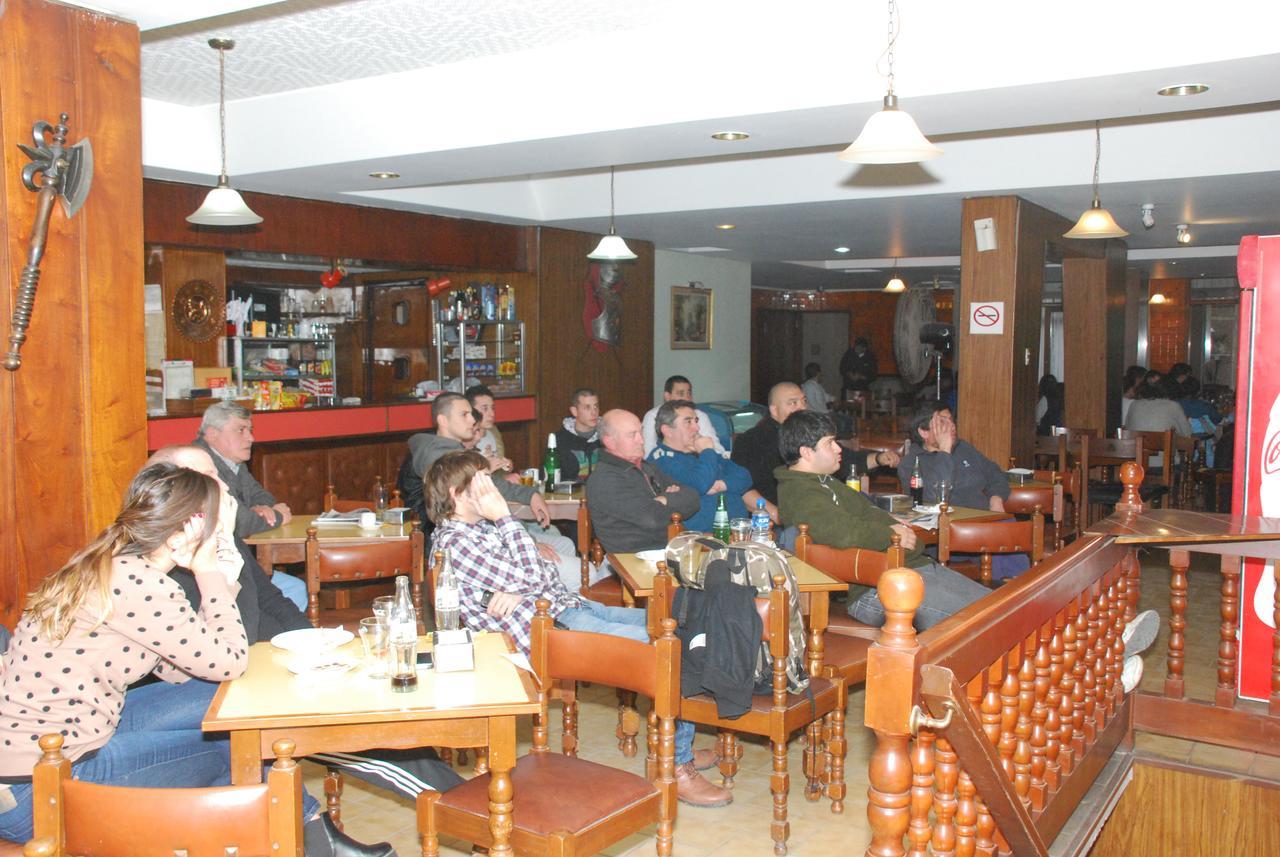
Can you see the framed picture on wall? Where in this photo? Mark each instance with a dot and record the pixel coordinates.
(691, 318)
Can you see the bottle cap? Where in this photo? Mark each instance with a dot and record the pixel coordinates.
(551, 440)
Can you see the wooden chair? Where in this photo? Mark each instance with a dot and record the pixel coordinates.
(987, 538)
(845, 647)
(1109, 453)
(332, 503)
(1059, 499)
(72, 817)
(565, 805)
(333, 561)
(776, 716)
(609, 589)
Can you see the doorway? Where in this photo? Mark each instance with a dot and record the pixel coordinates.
(783, 341)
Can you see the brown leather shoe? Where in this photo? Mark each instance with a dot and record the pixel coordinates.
(705, 759)
(696, 790)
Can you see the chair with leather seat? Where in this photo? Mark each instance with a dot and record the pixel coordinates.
(776, 715)
(564, 805)
(336, 561)
(1059, 501)
(73, 817)
(987, 538)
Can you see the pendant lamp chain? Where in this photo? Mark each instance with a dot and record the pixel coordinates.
(892, 39)
(611, 229)
(222, 104)
(1097, 160)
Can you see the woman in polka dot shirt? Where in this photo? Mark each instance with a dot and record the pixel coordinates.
(109, 617)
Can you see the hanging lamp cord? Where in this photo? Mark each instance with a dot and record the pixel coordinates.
(222, 104)
(1097, 160)
(895, 27)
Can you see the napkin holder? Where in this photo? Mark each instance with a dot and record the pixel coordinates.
(395, 515)
(454, 651)
(894, 504)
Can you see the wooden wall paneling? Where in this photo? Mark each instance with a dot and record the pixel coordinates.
(566, 360)
(353, 469)
(297, 476)
(1084, 309)
(777, 358)
(310, 227)
(1135, 294)
(178, 266)
(1168, 323)
(75, 412)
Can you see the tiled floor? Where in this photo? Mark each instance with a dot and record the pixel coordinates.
(743, 827)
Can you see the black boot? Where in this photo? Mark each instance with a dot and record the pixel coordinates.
(322, 838)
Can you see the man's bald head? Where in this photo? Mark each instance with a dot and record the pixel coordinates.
(785, 399)
(620, 434)
(190, 457)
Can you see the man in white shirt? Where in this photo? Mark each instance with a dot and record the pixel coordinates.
(814, 393)
(678, 387)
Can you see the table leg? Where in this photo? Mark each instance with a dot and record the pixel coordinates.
(246, 760)
(502, 758)
(265, 558)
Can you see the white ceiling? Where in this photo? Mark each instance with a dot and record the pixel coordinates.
(513, 110)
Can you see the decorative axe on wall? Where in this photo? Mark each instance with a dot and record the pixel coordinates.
(66, 172)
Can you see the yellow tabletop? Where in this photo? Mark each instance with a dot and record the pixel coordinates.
(562, 507)
(638, 575)
(269, 695)
(958, 513)
(296, 532)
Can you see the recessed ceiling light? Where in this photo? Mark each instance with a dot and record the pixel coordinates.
(725, 226)
(730, 136)
(384, 174)
(842, 249)
(1184, 89)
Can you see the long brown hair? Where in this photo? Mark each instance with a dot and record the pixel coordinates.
(158, 503)
(452, 471)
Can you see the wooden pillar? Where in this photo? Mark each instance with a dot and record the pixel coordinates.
(1093, 320)
(74, 416)
(1168, 323)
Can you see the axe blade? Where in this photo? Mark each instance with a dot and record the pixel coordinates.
(78, 177)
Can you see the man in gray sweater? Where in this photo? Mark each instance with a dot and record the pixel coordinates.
(455, 427)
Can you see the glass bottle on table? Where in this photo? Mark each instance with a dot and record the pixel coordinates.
(403, 631)
(761, 526)
(379, 498)
(550, 465)
(448, 601)
(916, 484)
(720, 521)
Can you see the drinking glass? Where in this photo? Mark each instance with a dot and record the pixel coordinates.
(943, 493)
(739, 530)
(375, 634)
(382, 607)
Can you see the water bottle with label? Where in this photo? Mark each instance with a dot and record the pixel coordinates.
(761, 526)
(448, 602)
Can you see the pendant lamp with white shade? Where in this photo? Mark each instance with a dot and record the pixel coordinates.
(890, 136)
(223, 206)
(1096, 222)
(611, 247)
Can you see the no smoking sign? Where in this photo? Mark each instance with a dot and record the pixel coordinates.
(986, 317)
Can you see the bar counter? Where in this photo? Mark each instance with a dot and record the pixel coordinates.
(298, 453)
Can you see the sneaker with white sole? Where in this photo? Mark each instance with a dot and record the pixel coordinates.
(1132, 673)
(1141, 632)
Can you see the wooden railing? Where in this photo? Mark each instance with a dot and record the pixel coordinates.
(1006, 728)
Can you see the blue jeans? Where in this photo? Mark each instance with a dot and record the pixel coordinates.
(293, 588)
(946, 592)
(627, 622)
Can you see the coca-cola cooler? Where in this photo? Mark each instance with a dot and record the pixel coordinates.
(1256, 487)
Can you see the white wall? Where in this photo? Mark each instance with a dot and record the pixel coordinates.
(723, 372)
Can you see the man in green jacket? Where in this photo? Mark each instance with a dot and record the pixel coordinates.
(838, 516)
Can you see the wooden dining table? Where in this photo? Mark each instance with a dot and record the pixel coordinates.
(561, 505)
(351, 711)
(287, 542)
(929, 536)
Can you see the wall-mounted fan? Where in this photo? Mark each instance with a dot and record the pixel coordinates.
(918, 338)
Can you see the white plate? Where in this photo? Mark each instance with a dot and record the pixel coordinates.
(652, 556)
(312, 640)
(927, 510)
(321, 665)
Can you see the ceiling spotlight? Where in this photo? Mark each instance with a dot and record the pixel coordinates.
(725, 226)
(842, 249)
(1184, 89)
(1156, 298)
(1184, 234)
(1148, 214)
(730, 136)
(384, 174)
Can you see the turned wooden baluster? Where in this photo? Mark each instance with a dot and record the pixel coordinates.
(966, 827)
(1067, 708)
(922, 765)
(1008, 742)
(1133, 575)
(1120, 599)
(1053, 706)
(1103, 662)
(1039, 719)
(944, 800)
(1078, 672)
(1178, 562)
(989, 838)
(1229, 608)
(889, 699)
(1089, 655)
(1022, 729)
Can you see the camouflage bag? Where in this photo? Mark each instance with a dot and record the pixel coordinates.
(750, 564)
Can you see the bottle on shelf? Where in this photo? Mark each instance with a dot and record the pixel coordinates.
(550, 465)
(402, 621)
(917, 484)
(448, 601)
(761, 526)
(720, 521)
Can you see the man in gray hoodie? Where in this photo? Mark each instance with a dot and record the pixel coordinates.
(455, 427)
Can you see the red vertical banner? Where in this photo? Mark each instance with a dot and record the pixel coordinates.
(1256, 486)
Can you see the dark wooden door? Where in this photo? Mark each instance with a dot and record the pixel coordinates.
(775, 351)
